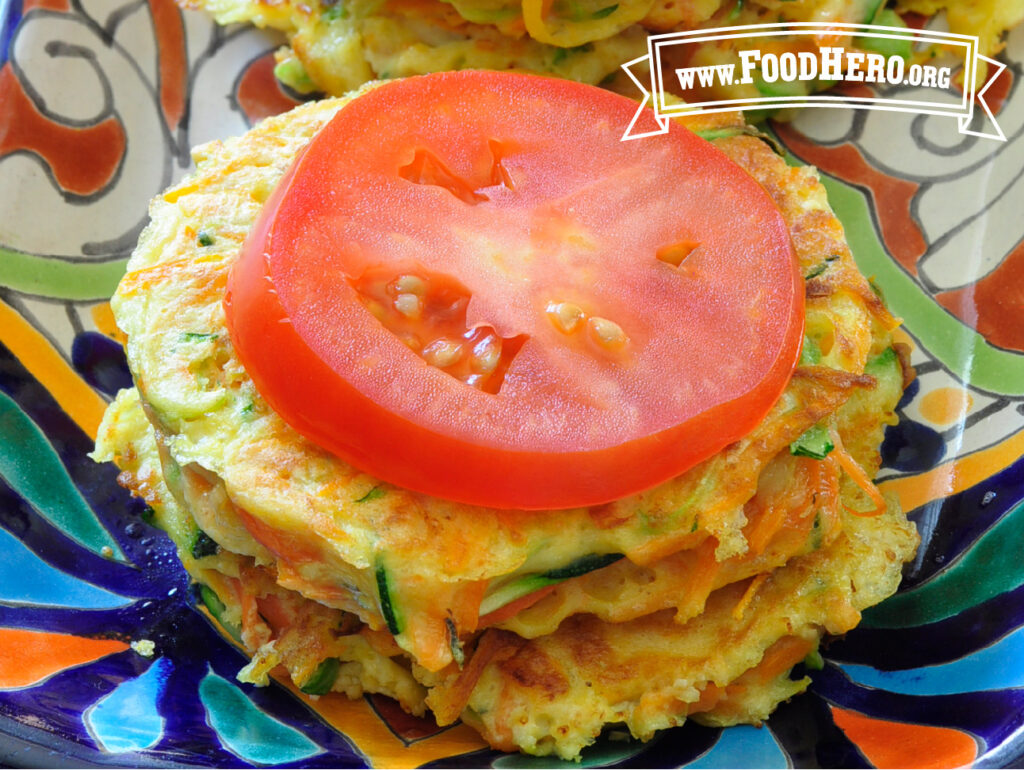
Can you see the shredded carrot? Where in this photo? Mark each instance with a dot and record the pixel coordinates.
(663, 546)
(777, 659)
(781, 656)
(701, 581)
(277, 614)
(827, 491)
(207, 271)
(858, 476)
(465, 604)
(429, 636)
(381, 640)
(770, 521)
(292, 548)
(448, 699)
(710, 695)
(250, 611)
(783, 519)
(748, 595)
(254, 631)
(513, 608)
(235, 585)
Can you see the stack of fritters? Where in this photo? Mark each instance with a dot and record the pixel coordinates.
(694, 598)
(337, 45)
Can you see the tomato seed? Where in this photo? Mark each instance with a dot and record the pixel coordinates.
(566, 316)
(408, 305)
(607, 334)
(410, 284)
(442, 353)
(486, 354)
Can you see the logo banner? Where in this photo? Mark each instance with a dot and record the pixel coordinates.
(776, 66)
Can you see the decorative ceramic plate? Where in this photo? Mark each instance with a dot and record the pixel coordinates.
(100, 101)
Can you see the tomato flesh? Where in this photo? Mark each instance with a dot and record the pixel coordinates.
(468, 286)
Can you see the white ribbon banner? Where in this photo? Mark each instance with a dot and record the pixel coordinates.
(919, 88)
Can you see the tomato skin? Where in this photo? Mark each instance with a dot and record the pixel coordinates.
(417, 427)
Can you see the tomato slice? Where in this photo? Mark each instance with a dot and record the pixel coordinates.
(468, 286)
